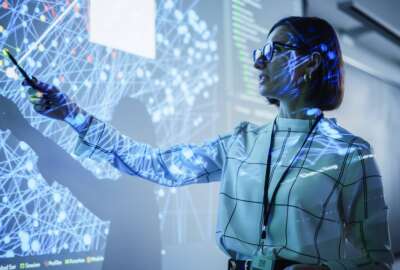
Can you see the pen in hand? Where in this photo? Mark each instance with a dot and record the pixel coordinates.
(49, 101)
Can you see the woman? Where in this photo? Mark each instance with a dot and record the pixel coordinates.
(298, 193)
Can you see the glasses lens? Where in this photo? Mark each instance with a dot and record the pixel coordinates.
(256, 55)
(267, 51)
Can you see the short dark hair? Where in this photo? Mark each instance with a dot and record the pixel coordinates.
(317, 35)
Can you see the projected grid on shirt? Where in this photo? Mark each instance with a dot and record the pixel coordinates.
(325, 203)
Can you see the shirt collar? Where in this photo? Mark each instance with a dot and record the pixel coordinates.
(294, 124)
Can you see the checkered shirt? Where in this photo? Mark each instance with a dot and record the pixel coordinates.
(329, 208)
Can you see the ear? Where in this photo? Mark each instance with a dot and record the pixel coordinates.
(314, 62)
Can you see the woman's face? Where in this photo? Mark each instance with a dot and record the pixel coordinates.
(279, 78)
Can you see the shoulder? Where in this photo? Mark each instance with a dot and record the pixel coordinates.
(338, 135)
(351, 150)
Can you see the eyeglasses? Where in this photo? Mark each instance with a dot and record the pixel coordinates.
(266, 53)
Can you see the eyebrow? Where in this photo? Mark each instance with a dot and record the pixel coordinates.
(292, 46)
(285, 44)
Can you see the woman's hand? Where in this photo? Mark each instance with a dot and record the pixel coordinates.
(49, 101)
(306, 267)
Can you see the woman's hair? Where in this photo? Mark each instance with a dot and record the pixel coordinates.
(317, 35)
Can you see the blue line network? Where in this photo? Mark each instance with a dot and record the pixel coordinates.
(51, 40)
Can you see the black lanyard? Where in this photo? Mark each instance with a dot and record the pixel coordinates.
(267, 207)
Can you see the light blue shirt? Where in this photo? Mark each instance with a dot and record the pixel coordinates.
(329, 209)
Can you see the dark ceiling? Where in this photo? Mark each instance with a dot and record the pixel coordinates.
(369, 25)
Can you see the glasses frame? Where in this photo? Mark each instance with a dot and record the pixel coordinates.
(266, 53)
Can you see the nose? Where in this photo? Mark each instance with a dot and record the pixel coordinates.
(259, 64)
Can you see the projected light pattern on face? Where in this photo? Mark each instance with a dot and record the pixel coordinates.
(45, 219)
(279, 66)
(301, 60)
(51, 40)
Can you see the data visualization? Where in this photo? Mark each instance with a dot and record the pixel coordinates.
(249, 23)
(247, 34)
(160, 55)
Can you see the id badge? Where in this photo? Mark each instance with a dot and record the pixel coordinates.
(264, 261)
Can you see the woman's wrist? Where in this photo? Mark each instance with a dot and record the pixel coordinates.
(79, 120)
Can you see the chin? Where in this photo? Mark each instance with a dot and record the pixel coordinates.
(263, 91)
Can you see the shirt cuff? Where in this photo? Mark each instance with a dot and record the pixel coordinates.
(88, 141)
(79, 121)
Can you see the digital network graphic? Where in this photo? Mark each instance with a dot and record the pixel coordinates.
(37, 218)
(176, 78)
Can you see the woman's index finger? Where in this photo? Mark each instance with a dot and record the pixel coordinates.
(35, 92)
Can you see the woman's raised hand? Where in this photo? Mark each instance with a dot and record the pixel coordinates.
(49, 101)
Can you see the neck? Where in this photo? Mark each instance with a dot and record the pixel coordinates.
(297, 111)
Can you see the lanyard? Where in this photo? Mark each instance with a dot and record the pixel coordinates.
(267, 206)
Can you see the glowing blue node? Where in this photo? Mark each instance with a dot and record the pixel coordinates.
(331, 55)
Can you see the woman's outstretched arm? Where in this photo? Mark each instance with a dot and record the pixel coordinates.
(176, 166)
